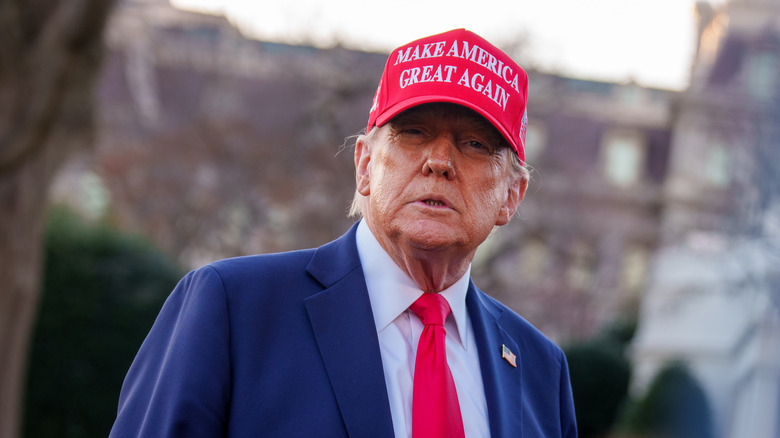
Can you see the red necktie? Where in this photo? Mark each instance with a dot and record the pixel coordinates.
(435, 407)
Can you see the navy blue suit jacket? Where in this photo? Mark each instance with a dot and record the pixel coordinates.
(284, 345)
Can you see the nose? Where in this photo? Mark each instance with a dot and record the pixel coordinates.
(439, 159)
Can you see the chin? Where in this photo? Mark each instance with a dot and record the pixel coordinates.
(433, 236)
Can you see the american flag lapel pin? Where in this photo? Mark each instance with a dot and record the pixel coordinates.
(507, 354)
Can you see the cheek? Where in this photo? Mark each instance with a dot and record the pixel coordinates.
(386, 184)
(491, 200)
(490, 184)
(489, 196)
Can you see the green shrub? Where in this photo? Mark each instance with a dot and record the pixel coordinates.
(675, 406)
(618, 334)
(599, 379)
(100, 294)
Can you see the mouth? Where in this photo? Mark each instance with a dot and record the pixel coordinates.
(434, 202)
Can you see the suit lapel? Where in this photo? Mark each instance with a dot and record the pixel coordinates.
(501, 380)
(343, 325)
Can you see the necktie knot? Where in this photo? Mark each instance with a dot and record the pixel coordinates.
(432, 308)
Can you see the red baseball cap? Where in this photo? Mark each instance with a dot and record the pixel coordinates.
(458, 67)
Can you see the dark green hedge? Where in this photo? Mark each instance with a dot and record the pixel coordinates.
(100, 294)
(599, 379)
(674, 406)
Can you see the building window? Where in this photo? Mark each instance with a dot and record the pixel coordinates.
(634, 268)
(534, 258)
(717, 168)
(624, 156)
(631, 94)
(535, 141)
(762, 68)
(580, 273)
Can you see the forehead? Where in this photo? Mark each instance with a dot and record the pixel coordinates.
(457, 114)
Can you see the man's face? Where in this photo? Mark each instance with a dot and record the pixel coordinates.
(437, 177)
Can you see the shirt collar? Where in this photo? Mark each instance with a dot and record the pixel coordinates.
(391, 290)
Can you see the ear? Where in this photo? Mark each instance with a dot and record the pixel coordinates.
(515, 195)
(362, 168)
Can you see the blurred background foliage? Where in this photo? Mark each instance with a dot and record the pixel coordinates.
(102, 290)
(674, 406)
(600, 374)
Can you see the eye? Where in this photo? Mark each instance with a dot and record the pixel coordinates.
(479, 147)
(412, 131)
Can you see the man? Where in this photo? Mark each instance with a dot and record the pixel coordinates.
(380, 333)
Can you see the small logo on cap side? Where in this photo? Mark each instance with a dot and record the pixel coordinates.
(523, 126)
(376, 98)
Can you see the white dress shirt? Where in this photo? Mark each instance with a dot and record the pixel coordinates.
(391, 292)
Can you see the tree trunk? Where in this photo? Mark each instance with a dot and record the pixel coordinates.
(49, 60)
(23, 202)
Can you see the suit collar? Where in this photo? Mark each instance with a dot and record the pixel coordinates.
(502, 381)
(355, 367)
(334, 260)
(344, 328)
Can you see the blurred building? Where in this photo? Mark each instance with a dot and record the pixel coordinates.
(214, 145)
(714, 296)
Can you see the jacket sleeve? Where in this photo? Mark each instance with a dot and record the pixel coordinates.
(179, 382)
(568, 418)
